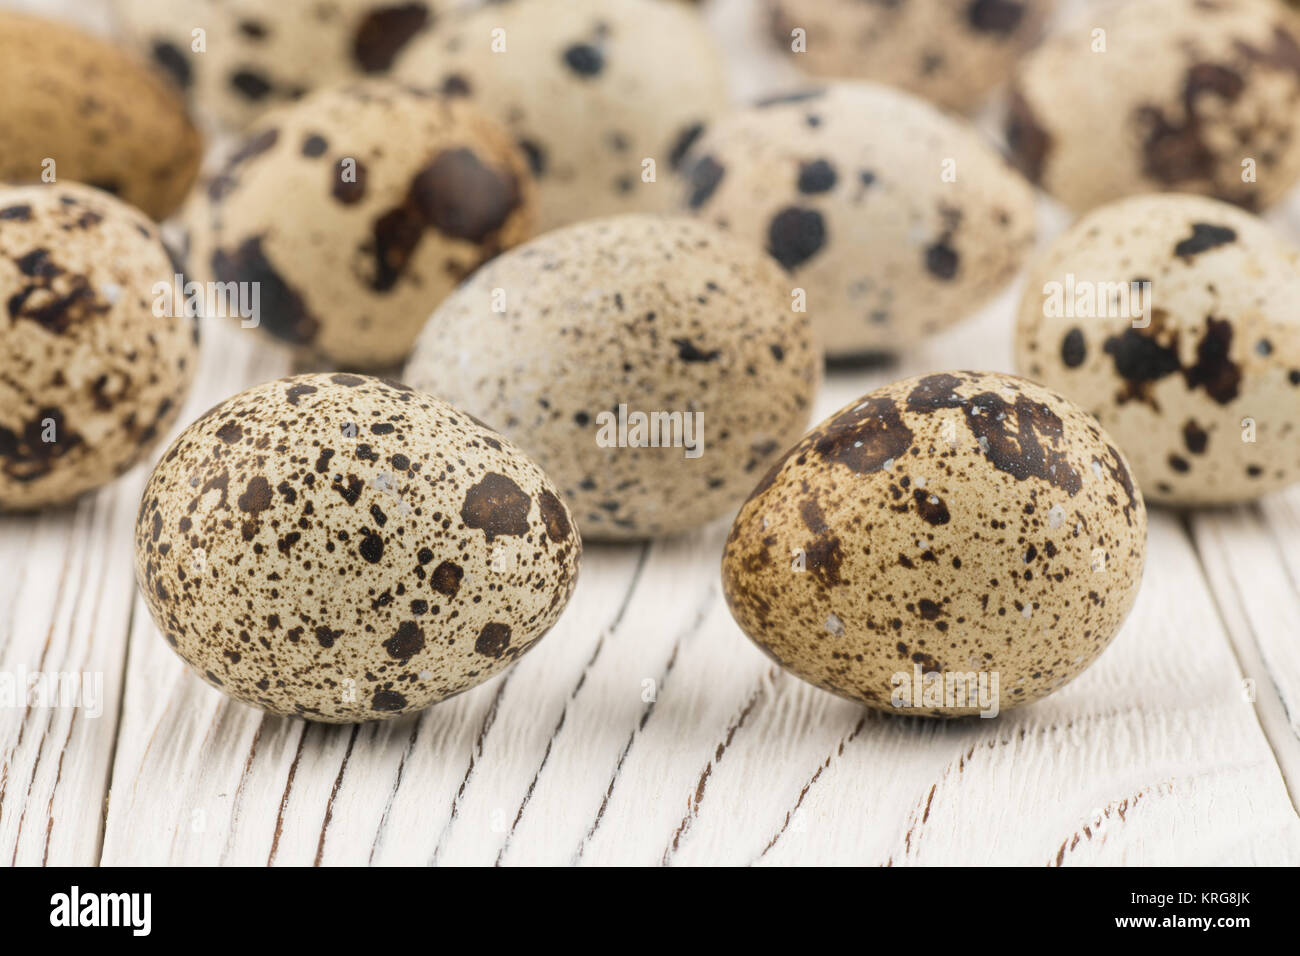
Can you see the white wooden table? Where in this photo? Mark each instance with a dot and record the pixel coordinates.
(646, 729)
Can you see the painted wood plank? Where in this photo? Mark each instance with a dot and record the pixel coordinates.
(1251, 556)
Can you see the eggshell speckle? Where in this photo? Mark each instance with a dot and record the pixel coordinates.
(896, 220)
(1198, 379)
(90, 377)
(343, 548)
(954, 523)
(654, 314)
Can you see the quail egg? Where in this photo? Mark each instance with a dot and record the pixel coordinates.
(76, 108)
(1163, 95)
(950, 544)
(236, 58)
(604, 96)
(95, 355)
(342, 548)
(895, 219)
(651, 365)
(1173, 319)
(355, 211)
(952, 52)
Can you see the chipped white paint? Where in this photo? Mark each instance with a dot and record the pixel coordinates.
(646, 729)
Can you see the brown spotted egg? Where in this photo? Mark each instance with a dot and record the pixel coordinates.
(93, 364)
(249, 55)
(603, 96)
(77, 108)
(1192, 96)
(653, 366)
(895, 219)
(343, 548)
(950, 51)
(963, 530)
(1174, 320)
(358, 209)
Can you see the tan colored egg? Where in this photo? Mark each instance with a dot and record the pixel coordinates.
(1173, 319)
(343, 548)
(653, 366)
(355, 211)
(896, 219)
(1163, 96)
(604, 96)
(76, 108)
(952, 52)
(950, 544)
(94, 365)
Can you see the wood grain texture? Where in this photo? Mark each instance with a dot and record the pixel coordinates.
(645, 729)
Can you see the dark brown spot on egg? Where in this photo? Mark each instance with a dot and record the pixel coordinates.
(256, 496)
(283, 312)
(999, 17)
(462, 197)
(930, 507)
(817, 176)
(934, 391)
(497, 506)
(384, 31)
(795, 235)
(230, 432)
(251, 85)
(406, 642)
(493, 640)
(1214, 371)
(688, 351)
(682, 145)
(295, 392)
(387, 700)
(1195, 437)
(1028, 141)
(1139, 360)
(1174, 149)
(704, 176)
(942, 260)
(1204, 237)
(1073, 348)
(554, 516)
(349, 180)
(446, 578)
(584, 59)
(173, 62)
(866, 436)
(371, 548)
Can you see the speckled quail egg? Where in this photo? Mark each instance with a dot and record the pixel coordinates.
(342, 548)
(895, 219)
(591, 89)
(653, 366)
(951, 544)
(76, 108)
(358, 209)
(1174, 320)
(952, 52)
(236, 58)
(1163, 95)
(94, 364)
